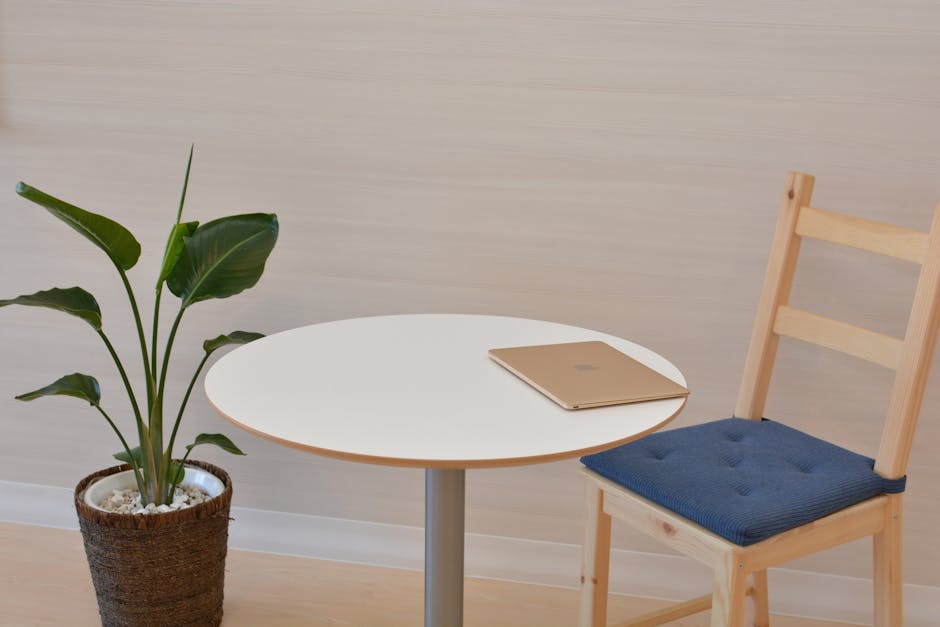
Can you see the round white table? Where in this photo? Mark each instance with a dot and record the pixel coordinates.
(421, 391)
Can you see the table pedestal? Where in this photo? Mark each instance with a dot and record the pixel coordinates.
(443, 547)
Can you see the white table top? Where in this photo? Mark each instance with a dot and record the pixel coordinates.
(420, 390)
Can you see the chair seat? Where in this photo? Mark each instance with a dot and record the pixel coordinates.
(745, 480)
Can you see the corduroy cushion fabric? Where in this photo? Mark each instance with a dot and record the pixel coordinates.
(745, 480)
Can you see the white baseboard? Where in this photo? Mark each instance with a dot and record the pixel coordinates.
(798, 593)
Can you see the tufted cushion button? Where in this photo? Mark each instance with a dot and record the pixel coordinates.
(659, 454)
(804, 467)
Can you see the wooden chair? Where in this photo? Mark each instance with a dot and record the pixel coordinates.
(740, 569)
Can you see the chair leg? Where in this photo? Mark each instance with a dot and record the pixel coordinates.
(889, 581)
(595, 561)
(730, 595)
(760, 599)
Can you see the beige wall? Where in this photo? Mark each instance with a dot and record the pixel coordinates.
(615, 165)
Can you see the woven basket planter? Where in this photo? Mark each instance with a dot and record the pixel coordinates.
(158, 570)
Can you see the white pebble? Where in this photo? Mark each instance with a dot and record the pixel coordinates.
(128, 501)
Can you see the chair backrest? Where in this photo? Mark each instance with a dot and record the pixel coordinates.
(910, 357)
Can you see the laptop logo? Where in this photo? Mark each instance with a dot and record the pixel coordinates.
(585, 367)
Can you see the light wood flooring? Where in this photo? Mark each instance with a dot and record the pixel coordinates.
(44, 581)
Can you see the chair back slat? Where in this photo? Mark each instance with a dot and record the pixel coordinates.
(778, 280)
(917, 355)
(847, 338)
(875, 237)
(910, 357)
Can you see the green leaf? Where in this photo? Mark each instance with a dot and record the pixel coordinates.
(116, 241)
(223, 257)
(72, 300)
(175, 474)
(138, 457)
(174, 248)
(75, 384)
(215, 438)
(235, 337)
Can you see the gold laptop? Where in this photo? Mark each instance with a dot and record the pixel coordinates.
(586, 374)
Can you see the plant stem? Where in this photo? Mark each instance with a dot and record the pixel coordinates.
(156, 324)
(155, 443)
(156, 414)
(127, 383)
(150, 469)
(146, 443)
(179, 417)
(140, 334)
(127, 449)
(169, 348)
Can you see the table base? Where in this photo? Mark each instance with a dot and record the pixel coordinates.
(444, 490)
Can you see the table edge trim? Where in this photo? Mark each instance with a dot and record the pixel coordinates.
(504, 462)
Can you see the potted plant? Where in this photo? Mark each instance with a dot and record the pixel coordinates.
(161, 562)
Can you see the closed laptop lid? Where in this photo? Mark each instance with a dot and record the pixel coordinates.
(577, 375)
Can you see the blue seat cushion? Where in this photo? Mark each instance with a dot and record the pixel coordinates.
(745, 480)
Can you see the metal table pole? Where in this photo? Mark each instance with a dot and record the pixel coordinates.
(443, 547)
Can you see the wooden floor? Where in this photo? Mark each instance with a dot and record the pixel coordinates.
(44, 581)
